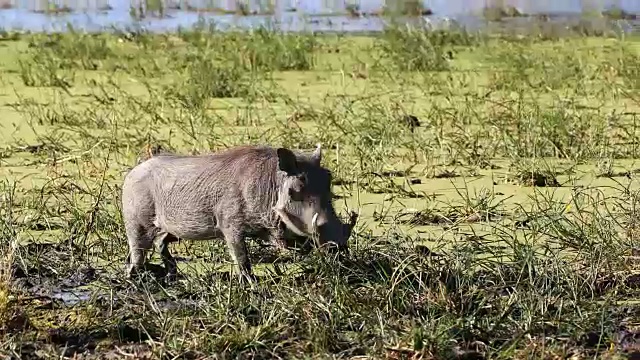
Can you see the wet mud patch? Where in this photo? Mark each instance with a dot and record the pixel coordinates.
(99, 350)
(52, 275)
(107, 340)
(60, 291)
(65, 307)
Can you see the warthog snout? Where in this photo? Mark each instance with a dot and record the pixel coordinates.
(334, 235)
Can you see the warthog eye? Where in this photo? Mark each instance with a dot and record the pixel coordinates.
(303, 179)
(296, 191)
(295, 194)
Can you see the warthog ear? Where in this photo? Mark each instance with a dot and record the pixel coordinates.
(287, 161)
(316, 157)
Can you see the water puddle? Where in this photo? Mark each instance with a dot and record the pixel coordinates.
(314, 15)
(71, 297)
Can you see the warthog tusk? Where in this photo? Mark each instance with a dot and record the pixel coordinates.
(285, 218)
(314, 222)
(314, 226)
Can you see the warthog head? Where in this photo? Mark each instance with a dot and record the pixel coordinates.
(304, 201)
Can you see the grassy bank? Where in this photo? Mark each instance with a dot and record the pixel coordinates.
(504, 226)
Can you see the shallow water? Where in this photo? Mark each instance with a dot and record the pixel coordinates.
(71, 297)
(87, 16)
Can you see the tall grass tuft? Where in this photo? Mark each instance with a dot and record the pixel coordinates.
(262, 49)
(410, 48)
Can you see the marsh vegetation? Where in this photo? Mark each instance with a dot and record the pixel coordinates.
(502, 223)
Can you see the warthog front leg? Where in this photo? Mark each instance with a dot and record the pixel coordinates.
(276, 237)
(239, 254)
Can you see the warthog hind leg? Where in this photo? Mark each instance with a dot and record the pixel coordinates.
(162, 241)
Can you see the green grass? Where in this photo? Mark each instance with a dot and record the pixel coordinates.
(505, 226)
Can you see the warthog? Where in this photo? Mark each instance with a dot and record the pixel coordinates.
(254, 191)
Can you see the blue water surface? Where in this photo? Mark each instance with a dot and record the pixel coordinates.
(309, 15)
